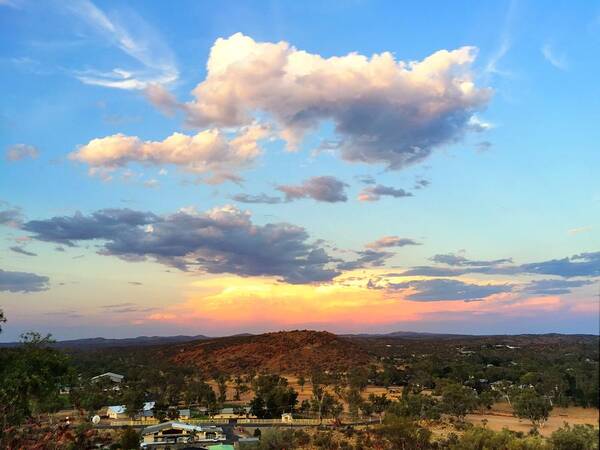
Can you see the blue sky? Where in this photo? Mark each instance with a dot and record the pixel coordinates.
(521, 183)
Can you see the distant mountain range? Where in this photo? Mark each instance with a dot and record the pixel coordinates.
(144, 341)
(100, 342)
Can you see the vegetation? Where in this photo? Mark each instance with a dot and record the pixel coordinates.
(30, 379)
(530, 405)
(433, 381)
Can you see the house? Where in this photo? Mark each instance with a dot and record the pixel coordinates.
(147, 409)
(175, 435)
(234, 413)
(395, 389)
(287, 418)
(120, 411)
(185, 414)
(117, 412)
(108, 376)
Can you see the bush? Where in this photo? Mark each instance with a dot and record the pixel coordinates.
(325, 441)
(481, 438)
(277, 439)
(130, 439)
(577, 437)
(403, 433)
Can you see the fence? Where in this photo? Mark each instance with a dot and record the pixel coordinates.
(148, 422)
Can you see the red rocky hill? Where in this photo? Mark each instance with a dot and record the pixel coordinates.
(298, 352)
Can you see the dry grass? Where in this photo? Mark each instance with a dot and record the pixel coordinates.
(501, 417)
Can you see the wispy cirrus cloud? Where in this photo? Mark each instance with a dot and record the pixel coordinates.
(558, 60)
(155, 62)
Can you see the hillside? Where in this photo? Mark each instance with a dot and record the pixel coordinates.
(296, 352)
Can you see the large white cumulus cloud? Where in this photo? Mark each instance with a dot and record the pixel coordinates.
(384, 110)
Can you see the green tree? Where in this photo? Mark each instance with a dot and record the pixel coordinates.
(133, 399)
(458, 400)
(530, 405)
(274, 395)
(222, 387)
(30, 377)
(380, 404)
(301, 382)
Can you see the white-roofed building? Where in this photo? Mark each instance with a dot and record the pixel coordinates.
(109, 376)
(174, 435)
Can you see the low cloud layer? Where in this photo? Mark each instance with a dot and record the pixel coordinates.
(22, 282)
(374, 193)
(441, 289)
(210, 151)
(384, 110)
(582, 265)
(322, 189)
(554, 287)
(221, 240)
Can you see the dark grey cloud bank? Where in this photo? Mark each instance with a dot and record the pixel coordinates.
(22, 282)
(441, 289)
(222, 240)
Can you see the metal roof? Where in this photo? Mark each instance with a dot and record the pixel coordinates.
(179, 426)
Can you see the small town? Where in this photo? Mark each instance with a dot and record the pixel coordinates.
(344, 393)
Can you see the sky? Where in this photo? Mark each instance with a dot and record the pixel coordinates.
(361, 166)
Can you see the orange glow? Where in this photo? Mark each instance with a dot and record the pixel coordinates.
(239, 301)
